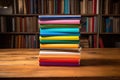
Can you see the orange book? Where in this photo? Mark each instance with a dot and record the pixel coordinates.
(59, 46)
(58, 56)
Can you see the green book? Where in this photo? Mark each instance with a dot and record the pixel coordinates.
(59, 41)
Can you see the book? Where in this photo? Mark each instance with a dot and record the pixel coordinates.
(65, 30)
(59, 21)
(57, 17)
(50, 52)
(60, 38)
(59, 45)
(59, 41)
(58, 64)
(59, 25)
(44, 33)
(66, 6)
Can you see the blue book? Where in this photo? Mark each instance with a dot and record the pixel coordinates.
(31, 4)
(42, 33)
(59, 17)
(87, 24)
(66, 7)
(72, 30)
(55, 6)
(111, 24)
(108, 22)
(35, 6)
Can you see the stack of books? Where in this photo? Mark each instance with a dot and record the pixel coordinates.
(59, 40)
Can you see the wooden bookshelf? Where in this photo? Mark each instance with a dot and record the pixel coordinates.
(94, 12)
(108, 15)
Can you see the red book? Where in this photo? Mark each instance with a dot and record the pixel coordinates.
(101, 43)
(92, 24)
(94, 6)
(21, 24)
(95, 41)
(59, 6)
(25, 25)
(60, 60)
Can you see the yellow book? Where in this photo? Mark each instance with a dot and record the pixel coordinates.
(60, 38)
(59, 45)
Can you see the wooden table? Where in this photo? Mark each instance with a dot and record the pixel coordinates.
(99, 64)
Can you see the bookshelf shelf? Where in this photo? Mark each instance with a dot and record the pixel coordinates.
(110, 33)
(111, 15)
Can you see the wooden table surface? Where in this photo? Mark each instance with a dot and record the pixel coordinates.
(95, 63)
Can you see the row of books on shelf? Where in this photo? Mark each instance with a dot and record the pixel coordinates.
(23, 41)
(89, 24)
(110, 6)
(18, 24)
(69, 7)
(110, 24)
(50, 6)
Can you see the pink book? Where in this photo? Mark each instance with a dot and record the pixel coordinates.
(59, 22)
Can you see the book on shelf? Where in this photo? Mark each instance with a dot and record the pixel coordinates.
(18, 24)
(101, 42)
(25, 41)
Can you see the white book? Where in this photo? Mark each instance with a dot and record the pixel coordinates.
(58, 52)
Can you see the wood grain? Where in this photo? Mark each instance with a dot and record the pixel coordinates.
(17, 63)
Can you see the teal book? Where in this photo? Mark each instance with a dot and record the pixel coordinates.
(66, 7)
(66, 30)
(59, 41)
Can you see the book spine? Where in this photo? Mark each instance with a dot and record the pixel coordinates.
(66, 7)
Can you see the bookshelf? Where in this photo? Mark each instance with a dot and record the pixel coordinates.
(19, 26)
(110, 22)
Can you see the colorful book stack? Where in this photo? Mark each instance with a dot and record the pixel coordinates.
(59, 40)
